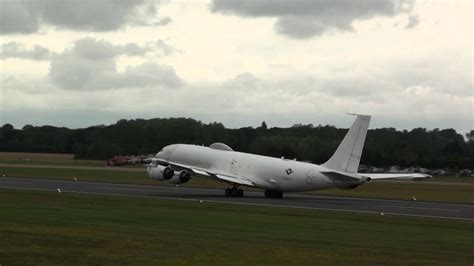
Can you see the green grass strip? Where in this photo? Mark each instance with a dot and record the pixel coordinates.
(48, 228)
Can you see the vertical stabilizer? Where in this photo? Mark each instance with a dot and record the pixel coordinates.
(347, 156)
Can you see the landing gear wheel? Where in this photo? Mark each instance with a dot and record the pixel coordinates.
(234, 192)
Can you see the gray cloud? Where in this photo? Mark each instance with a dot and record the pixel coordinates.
(88, 15)
(243, 100)
(17, 50)
(18, 17)
(162, 46)
(307, 18)
(243, 82)
(413, 21)
(99, 49)
(164, 21)
(91, 65)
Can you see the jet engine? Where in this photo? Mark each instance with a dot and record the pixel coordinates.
(180, 178)
(159, 172)
(353, 185)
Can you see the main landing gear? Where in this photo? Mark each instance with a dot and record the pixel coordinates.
(235, 191)
(273, 194)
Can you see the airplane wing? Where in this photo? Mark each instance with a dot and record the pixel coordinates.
(396, 176)
(207, 172)
(235, 179)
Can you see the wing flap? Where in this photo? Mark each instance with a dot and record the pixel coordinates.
(237, 180)
(200, 172)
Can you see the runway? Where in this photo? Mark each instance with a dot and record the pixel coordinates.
(290, 200)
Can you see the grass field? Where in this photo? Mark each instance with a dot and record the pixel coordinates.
(426, 191)
(463, 179)
(47, 228)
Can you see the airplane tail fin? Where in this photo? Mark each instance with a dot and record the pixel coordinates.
(347, 156)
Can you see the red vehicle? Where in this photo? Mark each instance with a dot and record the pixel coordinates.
(118, 161)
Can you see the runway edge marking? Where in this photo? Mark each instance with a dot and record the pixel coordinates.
(249, 204)
(214, 189)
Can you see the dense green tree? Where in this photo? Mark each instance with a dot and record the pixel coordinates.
(470, 135)
(384, 146)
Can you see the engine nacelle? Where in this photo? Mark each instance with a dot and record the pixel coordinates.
(159, 172)
(180, 178)
(353, 185)
(347, 187)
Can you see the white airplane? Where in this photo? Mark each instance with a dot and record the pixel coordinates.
(178, 162)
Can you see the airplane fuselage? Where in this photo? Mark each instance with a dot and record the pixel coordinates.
(176, 163)
(267, 173)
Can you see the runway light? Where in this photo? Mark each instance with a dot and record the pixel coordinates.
(75, 179)
(381, 213)
(413, 198)
(201, 201)
(176, 185)
(59, 190)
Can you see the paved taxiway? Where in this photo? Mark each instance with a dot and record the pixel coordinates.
(290, 200)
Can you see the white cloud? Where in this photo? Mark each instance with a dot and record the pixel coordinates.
(248, 100)
(91, 65)
(240, 71)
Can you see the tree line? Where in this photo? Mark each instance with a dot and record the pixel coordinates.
(384, 147)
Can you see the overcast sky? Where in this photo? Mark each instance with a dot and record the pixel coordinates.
(240, 62)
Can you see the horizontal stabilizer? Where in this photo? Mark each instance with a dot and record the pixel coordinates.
(396, 176)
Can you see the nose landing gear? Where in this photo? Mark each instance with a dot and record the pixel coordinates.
(235, 191)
